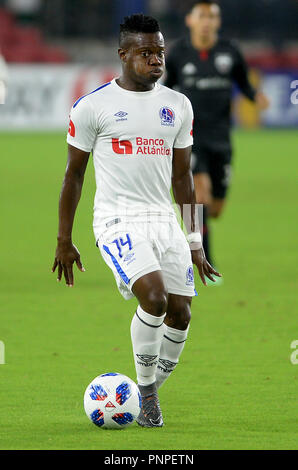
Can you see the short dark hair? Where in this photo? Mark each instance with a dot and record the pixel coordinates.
(138, 23)
(203, 2)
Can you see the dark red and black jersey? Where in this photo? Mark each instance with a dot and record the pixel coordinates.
(207, 79)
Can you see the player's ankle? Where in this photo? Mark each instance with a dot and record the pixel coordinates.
(146, 390)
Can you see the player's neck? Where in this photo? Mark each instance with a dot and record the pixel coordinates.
(203, 42)
(128, 84)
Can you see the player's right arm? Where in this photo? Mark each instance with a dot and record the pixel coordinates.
(66, 251)
(81, 136)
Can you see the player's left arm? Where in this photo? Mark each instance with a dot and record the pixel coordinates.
(184, 194)
(240, 75)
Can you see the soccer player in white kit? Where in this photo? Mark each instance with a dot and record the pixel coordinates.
(140, 135)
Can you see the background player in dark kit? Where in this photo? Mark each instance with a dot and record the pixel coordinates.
(204, 67)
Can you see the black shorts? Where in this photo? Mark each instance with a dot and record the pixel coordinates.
(216, 161)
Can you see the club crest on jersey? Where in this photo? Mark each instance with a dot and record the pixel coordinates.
(167, 116)
(223, 63)
(189, 276)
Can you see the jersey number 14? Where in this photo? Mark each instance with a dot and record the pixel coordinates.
(119, 242)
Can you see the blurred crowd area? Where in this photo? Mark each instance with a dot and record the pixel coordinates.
(54, 51)
(275, 20)
(62, 21)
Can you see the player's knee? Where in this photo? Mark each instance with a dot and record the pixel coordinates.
(179, 317)
(157, 302)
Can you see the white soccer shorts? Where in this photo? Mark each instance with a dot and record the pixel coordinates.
(134, 249)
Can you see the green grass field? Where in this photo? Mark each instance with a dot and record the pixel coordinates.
(235, 387)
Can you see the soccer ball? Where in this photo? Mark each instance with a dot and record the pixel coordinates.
(112, 401)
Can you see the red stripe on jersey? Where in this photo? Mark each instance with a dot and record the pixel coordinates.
(71, 129)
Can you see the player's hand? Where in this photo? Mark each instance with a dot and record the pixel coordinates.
(204, 268)
(66, 255)
(262, 101)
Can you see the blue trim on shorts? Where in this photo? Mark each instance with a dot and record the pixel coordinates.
(117, 265)
(196, 293)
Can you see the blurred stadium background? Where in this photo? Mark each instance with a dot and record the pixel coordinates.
(57, 50)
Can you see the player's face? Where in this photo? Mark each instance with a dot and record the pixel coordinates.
(144, 57)
(204, 20)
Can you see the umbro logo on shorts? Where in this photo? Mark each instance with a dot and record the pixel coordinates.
(146, 360)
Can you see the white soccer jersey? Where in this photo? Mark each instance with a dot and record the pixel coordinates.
(132, 136)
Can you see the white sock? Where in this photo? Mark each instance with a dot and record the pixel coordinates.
(172, 346)
(146, 336)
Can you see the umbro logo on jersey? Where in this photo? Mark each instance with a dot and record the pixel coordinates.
(146, 360)
(121, 115)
